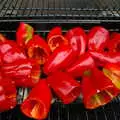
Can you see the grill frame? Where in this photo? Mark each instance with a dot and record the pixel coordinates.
(43, 17)
(57, 10)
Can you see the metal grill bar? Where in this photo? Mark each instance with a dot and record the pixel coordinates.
(82, 9)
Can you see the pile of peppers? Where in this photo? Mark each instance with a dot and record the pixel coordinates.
(73, 64)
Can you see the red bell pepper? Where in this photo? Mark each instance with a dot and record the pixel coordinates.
(61, 58)
(97, 90)
(77, 38)
(112, 71)
(64, 86)
(24, 34)
(8, 45)
(102, 58)
(7, 94)
(37, 48)
(25, 73)
(83, 63)
(37, 105)
(13, 56)
(0, 60)
(55, 38)
(10, 51)
(114, 43)
(97, 38)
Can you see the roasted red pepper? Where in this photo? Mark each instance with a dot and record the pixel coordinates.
(37, 48)
(112, 71)
(8, 45)
(102, 58)
(60, 59)
(97, 90)
(83, 63)
(97, 38)
(77, 38)
(55, 38)
(7, 94)
(13, 56)
(114, 43)
(25, 73)
(64, 86)
(37, 104)
(11, 52)
(24, 34)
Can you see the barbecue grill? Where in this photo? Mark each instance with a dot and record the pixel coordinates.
(45, 14)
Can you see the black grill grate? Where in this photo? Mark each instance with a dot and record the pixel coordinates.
(59, 9)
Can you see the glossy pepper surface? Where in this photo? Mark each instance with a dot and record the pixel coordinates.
(55, 38)
(25, 73)
(24, 34)
(13, 56)
(97, 38)
(97, 90)
(8, 45)
(10, 52)
(60, 59)
(112, 71)
(37, 104)
(83, 63)
(37, 48)
(102, 58)
(7, 94)
(64, 86)
(77, 38)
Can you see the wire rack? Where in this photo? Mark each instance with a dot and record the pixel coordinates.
(49, 10)
(74, 111)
